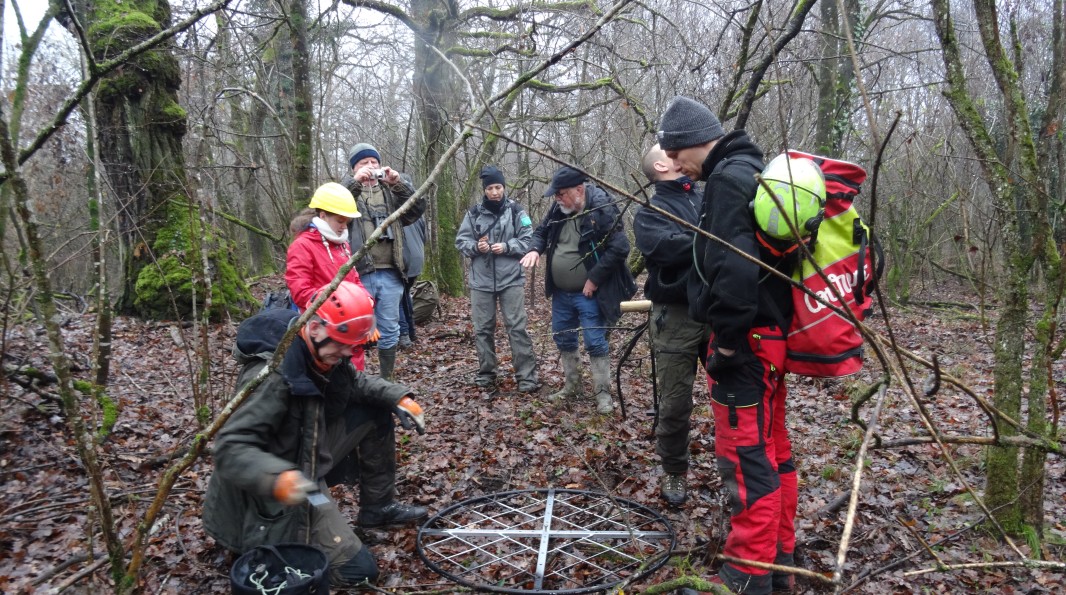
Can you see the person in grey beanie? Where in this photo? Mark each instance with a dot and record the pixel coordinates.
(379, 191)
(748, 310)
(494, 235)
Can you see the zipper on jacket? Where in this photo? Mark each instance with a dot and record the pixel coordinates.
(314, 471)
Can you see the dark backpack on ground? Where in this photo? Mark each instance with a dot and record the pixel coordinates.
(278, 299)
(426, 300)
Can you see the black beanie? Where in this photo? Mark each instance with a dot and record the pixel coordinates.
(490, 174)
(687, 123)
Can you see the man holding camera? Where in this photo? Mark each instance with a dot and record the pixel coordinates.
(379, 191)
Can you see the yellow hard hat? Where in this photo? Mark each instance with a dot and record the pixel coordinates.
(334, 198)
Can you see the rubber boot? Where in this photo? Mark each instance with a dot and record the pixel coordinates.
(572, 373)
(386, 361)
(601, 383)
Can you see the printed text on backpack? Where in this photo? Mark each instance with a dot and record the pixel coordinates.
(820, 342)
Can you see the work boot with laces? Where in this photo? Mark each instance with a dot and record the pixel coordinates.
(673, 489)
(393, 513)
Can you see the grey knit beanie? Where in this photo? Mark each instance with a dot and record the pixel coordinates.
(361, 151)
(687, 123)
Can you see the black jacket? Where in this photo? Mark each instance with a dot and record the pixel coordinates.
(604, 245)
(665, 243)
(725, 289)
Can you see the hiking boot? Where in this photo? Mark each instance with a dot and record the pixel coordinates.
(405, 343)
(485, 382)
(572, 373)
(742, 582)
(673, 489)
(394, 513)
(783, 582)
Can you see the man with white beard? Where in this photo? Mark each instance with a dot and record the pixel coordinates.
(584, 241)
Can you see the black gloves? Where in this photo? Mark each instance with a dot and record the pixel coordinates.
(719, 365)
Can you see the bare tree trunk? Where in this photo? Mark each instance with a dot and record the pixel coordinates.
(436, 93)
(836, 77)
(141, 127)
(248, 197)
(101, 359)
(1015, 182)
(1049, 152)
(302, 118)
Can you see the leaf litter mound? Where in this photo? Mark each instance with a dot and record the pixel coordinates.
(482, 442)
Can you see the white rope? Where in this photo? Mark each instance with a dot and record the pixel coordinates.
(258, 580)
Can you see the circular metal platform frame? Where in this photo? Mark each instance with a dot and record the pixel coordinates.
(545, 540)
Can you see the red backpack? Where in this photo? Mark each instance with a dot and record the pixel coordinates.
(820, 342)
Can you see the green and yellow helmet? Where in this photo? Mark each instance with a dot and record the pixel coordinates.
(800, 189)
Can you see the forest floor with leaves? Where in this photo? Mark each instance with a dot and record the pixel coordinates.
(911, 505)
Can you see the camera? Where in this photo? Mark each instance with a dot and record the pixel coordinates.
(379, 174)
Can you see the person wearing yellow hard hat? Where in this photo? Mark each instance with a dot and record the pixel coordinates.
(321, 247)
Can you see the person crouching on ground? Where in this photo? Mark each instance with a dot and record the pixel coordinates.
(284, 441)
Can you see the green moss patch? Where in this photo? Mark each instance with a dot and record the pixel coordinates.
(165, 287)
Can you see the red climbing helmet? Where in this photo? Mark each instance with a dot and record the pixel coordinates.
(348, 313)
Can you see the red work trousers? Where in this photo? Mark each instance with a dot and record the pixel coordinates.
(754, 457)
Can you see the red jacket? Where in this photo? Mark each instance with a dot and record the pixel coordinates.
(311, 263)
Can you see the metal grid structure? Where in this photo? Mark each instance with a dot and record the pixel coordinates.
(545, 540)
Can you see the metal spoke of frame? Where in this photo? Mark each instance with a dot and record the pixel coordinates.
(545, 539)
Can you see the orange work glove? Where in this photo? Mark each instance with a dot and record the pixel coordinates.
(291, 487)
(410, 414)
(372, 339)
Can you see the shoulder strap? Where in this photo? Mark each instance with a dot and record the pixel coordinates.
(751, 160)
(515, 210)
(510, 205)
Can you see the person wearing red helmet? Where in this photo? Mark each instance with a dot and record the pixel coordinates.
(315, 421)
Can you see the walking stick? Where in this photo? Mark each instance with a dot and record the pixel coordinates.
(637, 306)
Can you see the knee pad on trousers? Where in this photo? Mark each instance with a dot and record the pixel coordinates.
(362, 567)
